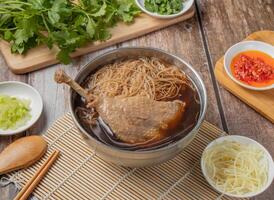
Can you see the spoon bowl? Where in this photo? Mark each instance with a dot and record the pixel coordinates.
(22, 153)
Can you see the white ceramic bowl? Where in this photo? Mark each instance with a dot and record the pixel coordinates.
(243, 140)
(186, 6)
(23, 91)
(246, 46)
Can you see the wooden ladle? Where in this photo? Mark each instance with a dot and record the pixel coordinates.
(22, 153)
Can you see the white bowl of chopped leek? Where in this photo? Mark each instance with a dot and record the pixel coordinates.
(237, 166)
(164, 9)
(20, 107)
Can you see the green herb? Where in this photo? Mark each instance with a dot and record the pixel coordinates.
(164, 7)
(29, 23)
(14, 112)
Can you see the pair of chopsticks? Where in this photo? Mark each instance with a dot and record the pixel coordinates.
(37, 177)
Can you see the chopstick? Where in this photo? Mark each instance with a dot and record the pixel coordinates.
(37, 177)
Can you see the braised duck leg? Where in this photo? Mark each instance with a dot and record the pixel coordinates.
(134, 120)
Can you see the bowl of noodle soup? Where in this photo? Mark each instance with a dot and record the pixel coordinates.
(139, 72)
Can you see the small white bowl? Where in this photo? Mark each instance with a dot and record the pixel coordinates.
(186, 6)
(246, 46)
(243, 140)
(22, 91)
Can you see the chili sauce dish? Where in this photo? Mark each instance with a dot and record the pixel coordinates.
(20, 107)
(163, 9)
(251, 65)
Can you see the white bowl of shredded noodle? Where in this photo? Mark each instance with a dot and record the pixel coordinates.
(237, 166)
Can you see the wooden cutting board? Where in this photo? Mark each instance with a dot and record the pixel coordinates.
(261, 101)
(41, 57)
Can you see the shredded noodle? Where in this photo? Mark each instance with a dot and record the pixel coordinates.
(236, 168)
(149, 77)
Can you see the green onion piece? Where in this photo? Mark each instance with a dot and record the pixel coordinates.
(164, 7)
(14, 112)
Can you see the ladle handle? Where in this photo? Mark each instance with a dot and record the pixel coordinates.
(61, 77)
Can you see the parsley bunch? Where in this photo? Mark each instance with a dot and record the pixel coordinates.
(164, 7)
(29, 23)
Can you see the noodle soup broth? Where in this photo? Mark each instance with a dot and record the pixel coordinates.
(169, 85)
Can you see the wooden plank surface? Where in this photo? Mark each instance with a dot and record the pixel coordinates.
(225, 23)
(261, 101)
(195, 41)
(41, 56)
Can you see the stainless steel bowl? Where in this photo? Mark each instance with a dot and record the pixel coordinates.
(139, 158)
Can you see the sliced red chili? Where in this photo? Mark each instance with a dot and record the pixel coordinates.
(250, 69)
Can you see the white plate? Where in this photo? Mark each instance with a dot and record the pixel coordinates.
(186, 6)
(247, 46)
(23, 91)
(243, 140)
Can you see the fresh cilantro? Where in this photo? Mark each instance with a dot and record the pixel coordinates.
(29, 23)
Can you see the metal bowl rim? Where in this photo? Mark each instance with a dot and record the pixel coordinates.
(195, 129)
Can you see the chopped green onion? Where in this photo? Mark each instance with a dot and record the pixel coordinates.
(14, 112)
(164, 7)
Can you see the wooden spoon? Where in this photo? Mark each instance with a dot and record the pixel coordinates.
(22, 153)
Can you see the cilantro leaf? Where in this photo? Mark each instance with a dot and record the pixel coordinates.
(62, 23)
(63, 56)
(100, 12)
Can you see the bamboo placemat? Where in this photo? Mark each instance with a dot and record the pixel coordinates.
(80, 174)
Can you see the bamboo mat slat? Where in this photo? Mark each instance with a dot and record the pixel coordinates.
(79, 174)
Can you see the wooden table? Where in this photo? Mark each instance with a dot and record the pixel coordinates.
(217, 25)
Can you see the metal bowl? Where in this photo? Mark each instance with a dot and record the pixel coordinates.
(139, 158)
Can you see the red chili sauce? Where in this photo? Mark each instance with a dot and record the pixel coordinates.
(254, 68)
